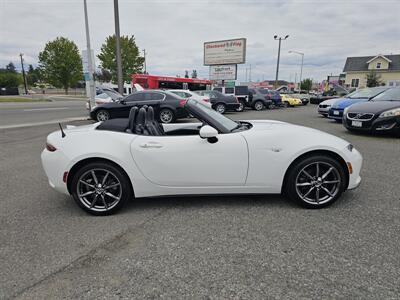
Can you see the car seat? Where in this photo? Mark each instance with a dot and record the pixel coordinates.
(154, 127)
(132, 119)
(140, 123)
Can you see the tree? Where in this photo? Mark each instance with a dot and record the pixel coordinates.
(32, 76)
(186, 74)
(306, 84)
(103, 75)
(10, 80)
(131, 62)
(60, 63)
(373, 79)
(11, 68)
(194, 74)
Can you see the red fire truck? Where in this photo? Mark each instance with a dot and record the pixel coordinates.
(165, 82)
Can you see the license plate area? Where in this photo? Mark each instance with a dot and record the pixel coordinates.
(356, 123)
(336, 112)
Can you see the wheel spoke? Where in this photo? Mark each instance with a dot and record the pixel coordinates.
(104, 201)
(327, 173)
(89, 185)
(317, 167)
(317, 195)
(304, 184)
(308, 175)
(93, 202)
(94, 177)
(309, 191)
(331, 181)
(111, 195)
(327, 191)
(87, 194)
(105, 178)
(111, 186)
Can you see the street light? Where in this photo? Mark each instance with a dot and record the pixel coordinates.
(279, 54)
(302, 61)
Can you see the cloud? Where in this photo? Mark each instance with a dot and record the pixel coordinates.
(173, 31)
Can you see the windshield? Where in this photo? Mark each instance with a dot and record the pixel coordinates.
(389, 95)
(209, 113)
(366, 93)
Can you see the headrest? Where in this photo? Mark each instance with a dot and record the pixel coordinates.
(150, 114)
(141, 117)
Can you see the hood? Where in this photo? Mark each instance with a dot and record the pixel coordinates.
(342, 103)
(330, 101)
(374, 106)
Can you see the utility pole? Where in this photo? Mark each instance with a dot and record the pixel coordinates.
(90, 79)
(246, 74)
(279, 54)
(118, 49)
(250, 73)
(301, 68)
(144, 55)
(23, 73)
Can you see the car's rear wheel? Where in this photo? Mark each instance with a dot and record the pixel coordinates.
(241, 106)
(102, 115)
(286, 104)
(221, 108)
(101, 188)
(166, 116)
(258, 105)
(315, 181)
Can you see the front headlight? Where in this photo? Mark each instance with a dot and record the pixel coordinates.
(390, 113)
(345, 111)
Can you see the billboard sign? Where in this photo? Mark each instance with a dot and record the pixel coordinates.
(223, 72)
(225, 52)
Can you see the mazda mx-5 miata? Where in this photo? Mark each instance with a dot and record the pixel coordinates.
(103, 165)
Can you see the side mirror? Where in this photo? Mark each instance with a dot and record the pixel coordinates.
(209, 133)
(122, 101)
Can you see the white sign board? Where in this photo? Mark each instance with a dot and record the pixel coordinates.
(223, 72)
(225, 52)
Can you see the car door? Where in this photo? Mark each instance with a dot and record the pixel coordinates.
(190, 161)
(123, 109)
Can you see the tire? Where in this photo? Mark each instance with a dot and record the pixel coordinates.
(106, 191)
(304, 190)
(221, 108)
(258, 105)
(102, 115)
(285, 104)
(241, 107)
(166, 116)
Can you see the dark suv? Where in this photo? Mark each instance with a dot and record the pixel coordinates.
(257, 100)
(168, 106)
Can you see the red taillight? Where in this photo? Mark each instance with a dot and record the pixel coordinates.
(65, 177)
(182, 103)
(50, 147)
(206, 100)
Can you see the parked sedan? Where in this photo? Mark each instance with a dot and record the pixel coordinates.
(220, 102)
(363, 95)
(169, 106)
(325, 106)
(381, 114)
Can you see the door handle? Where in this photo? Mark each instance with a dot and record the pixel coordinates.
(151, 145)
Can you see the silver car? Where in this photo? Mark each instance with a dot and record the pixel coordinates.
(324, 106)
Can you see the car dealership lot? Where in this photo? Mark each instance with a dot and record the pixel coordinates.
(199, 247)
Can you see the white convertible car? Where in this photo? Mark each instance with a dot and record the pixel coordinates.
(105, 164)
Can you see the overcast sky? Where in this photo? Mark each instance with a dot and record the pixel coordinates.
(173, 31)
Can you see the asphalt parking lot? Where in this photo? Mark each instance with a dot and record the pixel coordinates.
(247, 247)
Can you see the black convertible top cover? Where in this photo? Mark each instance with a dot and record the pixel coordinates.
(119, 125)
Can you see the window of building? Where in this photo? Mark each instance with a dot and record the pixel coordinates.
(355, 82)
(378, 65)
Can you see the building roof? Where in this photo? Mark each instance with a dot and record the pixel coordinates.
(361, 63)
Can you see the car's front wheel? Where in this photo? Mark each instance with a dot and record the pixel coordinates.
(315, 181)
(102, 115)
(100, 188)
(166, 116)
